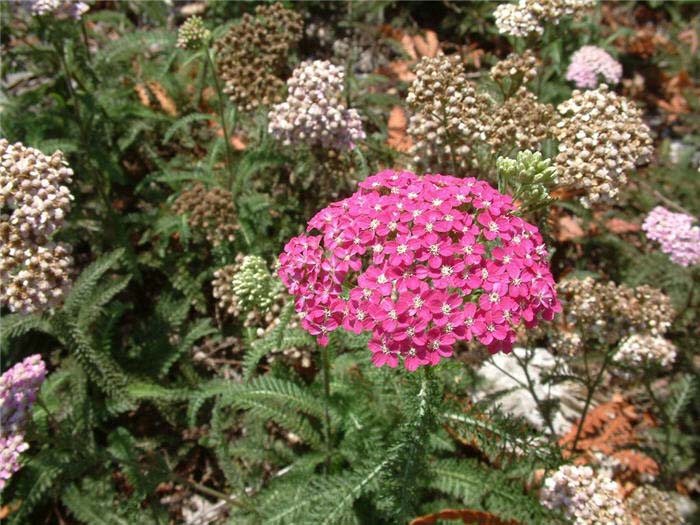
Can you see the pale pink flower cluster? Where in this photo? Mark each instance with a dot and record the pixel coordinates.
(590, 63)
(422, 262)
(679, 238)
(18, 390)
(586, 498)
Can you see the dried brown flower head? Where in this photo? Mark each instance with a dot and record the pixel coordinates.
(652, 506)
(211, 211)
(252, 56)
(607, 312)
(520, 122)
(447, 115)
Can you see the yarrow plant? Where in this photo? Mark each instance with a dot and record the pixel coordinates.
(421, 262)
(679, 238)
(18, 390)
(590, 63)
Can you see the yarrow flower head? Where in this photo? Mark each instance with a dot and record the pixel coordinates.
(314, 112)
(644, 349)
(584, 497)
(34, 201)
(245, 286)
(528, 16)
(678, 236)
(18, 390)
(651, 506)
(590, 63)
(421, 262)
(192, 34)
(59, 8)
(602, 138)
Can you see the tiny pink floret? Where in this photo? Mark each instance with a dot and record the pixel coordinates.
(421, 262)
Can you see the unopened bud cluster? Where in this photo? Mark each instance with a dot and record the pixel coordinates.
(645, 349)
(18, 390)
(529, 16)
(586, 498)
(651, 506)
(245, 286)
(607, 312)
(601, 138)
(447, 117)
(252, 56)
(314, 112)
(530, 176)
(58, 8)
(210, 211)
(34, 200)
(520, 122)
(192, 34)
(590, 63)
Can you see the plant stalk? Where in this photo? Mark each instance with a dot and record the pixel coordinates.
(326, 366)
(222, 116)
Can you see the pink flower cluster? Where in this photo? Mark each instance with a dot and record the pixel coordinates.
(421, 262)
(589, 62)
(679, 239)
(18, 390)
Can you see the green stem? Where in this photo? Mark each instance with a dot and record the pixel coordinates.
(590, 390)
(326, 365)
(222, 116)
(531, 388)
(83, 31)
(664, 417)
(84, 132)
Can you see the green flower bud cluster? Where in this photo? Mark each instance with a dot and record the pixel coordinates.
(530, 177)
(245, 286)
(192, 34)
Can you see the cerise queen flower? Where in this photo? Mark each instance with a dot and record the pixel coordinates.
(421, 262)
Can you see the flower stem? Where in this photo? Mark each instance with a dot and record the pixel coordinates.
(326, 366)
(591, 387)
(546, 416)
(222, 116)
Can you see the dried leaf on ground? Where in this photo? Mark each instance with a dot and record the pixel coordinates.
(167, 104)
(398, 122)
(471, 517)
(617, 225)
(568, 229)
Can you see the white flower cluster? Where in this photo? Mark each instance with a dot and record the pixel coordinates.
(644, 349)
(34, 199)
(59, 8)
(601, 138)
(584, 497)
(527, 16)
(514, 20)
(314, 112)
